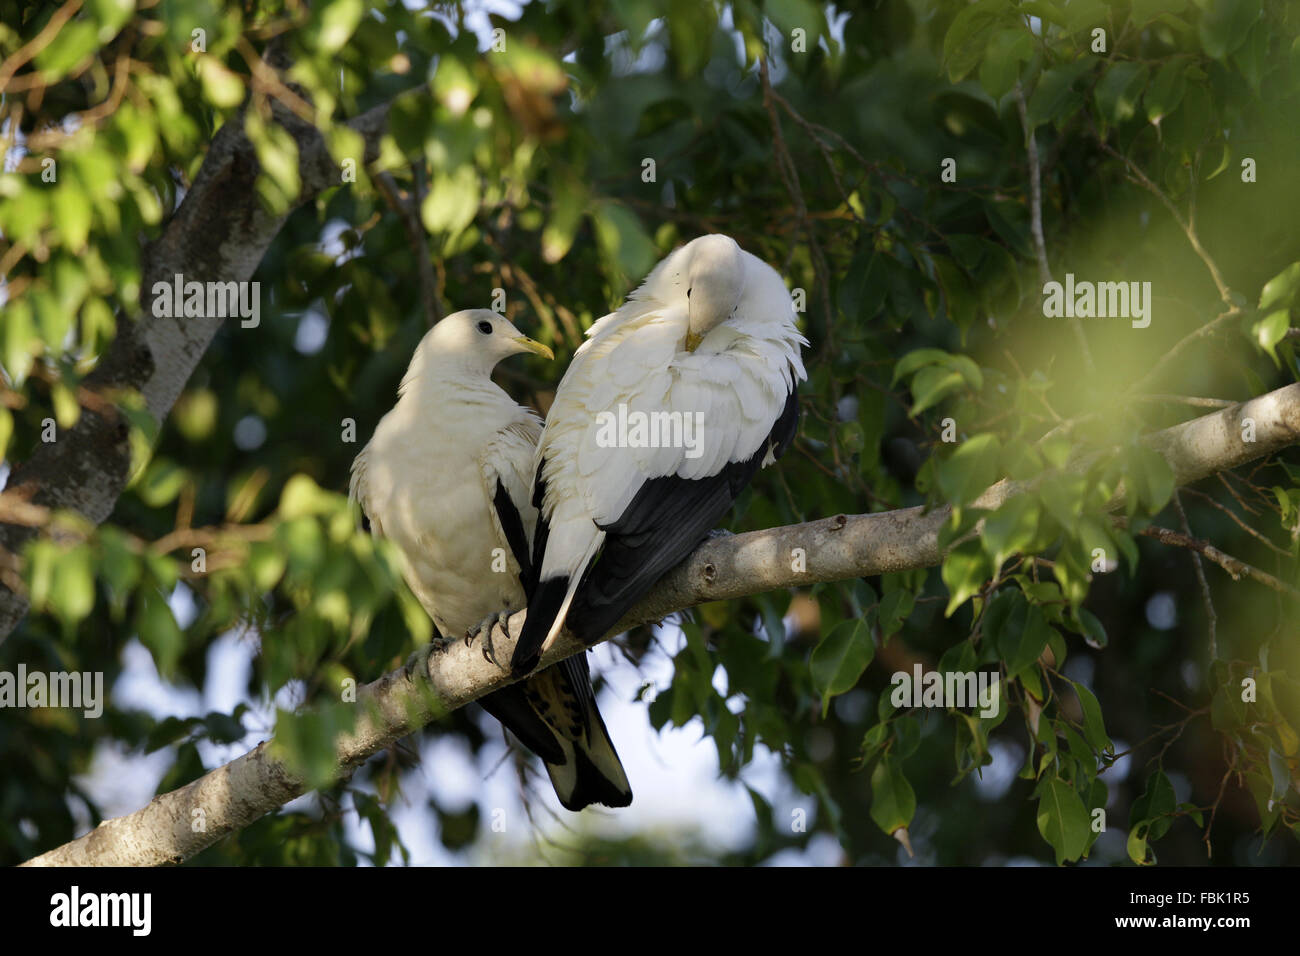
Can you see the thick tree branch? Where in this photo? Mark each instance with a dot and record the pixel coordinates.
(220, 232)
(722, 568)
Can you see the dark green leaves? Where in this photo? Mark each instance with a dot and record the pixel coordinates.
(1225, 24)
(893, 803)
(1151, 816)
(964, 43)
(1019, 630)
(971, 469)
(1119, 91)
(1056, 95)
(840, 659)
(1062, 819)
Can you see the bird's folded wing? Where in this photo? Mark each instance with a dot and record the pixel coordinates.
(507, 469)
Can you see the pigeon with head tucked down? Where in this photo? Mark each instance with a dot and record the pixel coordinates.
(701, 366)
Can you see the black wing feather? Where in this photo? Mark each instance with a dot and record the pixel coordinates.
(513, 526)
(664, 523)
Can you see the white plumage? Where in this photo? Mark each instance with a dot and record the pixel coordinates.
(447, 477)
(710, 334)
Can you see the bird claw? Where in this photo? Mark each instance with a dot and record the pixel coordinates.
(418, 662)
(485, 629)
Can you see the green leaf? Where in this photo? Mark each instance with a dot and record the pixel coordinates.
(1021, 636)
(965, 42)
(222, 87)
(1270, 330)
(971, 469)
(1166, 90)
(839, 660)
(72, 212)
(1225, 24)
(1000, 68)
(19, 345)
(568, 204)
(111, 15)
(1011, 528)
(338, 20)
(1119, 91)
(6, 430)
(72, 589)
(1094, 634)
(1281, 289)
(930, 386)
(1063, 820)
(1094, 728)
(452, 202)
(916, 359)
(1153, 478)
(893, 804)
(1054, 96)
(1280, 773)
(277, 152)
(1137, 845)
(159, 632)
(74, 42)
(623, 241)
(965, 570)
(1156, 805)
(894, 609)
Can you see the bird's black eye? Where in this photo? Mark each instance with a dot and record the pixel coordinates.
(485, 328)
(688, 293)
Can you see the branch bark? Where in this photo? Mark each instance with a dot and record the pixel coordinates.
(723, 568)
(220, 232)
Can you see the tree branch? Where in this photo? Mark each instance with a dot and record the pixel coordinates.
(723, 568)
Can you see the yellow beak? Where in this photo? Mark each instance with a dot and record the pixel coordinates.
(693, 341)
(531, 345)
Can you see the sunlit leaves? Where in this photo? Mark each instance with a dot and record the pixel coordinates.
(335, 21)
(222, 86)
(971, 469)
(306, 740)
(1166, 90)
(277, 152)
(1224, 25)
(452, 203)
(1280, 291)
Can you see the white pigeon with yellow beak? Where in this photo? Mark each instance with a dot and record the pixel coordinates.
(447, 477)
(665, 413)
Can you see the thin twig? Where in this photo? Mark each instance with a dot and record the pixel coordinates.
(1036, 218)
(1235, 567)
(1213, 619)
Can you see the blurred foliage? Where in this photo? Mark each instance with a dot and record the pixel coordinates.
(556, 156)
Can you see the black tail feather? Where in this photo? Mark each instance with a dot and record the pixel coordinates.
(543, 607)
(510, 706)
(594, 787)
